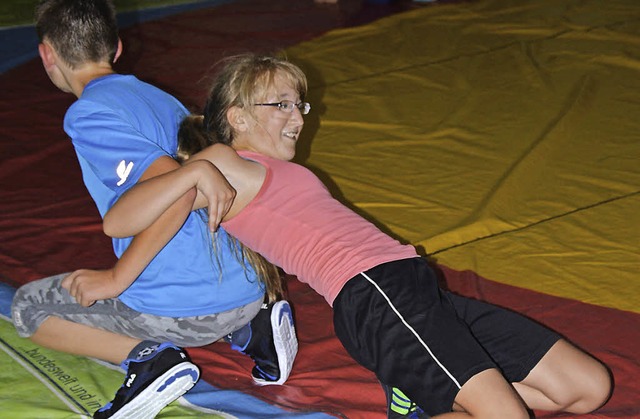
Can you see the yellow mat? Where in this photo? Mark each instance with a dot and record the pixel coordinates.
(502, 136)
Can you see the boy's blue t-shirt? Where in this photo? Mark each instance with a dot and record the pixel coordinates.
(119, 126)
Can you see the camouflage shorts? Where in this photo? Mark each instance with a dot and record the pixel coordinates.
(36, 301)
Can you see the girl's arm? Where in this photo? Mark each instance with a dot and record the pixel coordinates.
(145, 202)
(88, 286)
(152, 223)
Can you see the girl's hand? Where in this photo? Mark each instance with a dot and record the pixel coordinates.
(219, 194)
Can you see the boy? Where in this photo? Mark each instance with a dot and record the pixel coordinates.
(124, 131)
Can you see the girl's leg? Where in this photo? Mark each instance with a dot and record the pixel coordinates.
(566, 379)
(394, 320)
(487, 395)
(549, 373)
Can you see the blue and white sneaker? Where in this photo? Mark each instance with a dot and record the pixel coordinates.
(272, 343)
(151, 384)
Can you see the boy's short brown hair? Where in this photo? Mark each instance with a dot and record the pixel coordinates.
(80, 31)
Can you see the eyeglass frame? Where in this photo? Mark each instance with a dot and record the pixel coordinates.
(303, 107)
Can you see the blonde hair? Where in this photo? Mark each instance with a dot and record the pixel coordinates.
(267, 272)
(243, 80)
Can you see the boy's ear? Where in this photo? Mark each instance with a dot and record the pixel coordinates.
(237, 118)
(118, 51)
(47, 55)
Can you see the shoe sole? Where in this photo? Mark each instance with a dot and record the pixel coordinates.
(284, 340)
(165, 389)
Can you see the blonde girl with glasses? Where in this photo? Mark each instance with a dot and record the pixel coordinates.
(451, 356)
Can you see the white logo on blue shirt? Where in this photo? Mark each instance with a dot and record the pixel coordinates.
(123, 171)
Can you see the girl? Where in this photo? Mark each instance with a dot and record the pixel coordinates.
(453, 356)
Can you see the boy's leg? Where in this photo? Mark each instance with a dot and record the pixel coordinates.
(158, 377)
(270, 340)
(37, 301)
(79, 339)
(157, 374)
(44, 312)
(152, 381)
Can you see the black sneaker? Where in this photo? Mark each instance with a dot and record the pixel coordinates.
(273, 345)
(151, 384)
(400, 406)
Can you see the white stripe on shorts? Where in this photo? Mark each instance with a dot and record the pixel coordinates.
(408, 326)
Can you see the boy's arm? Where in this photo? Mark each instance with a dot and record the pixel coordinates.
(88, 286)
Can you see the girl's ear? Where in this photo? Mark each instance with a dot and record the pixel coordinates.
(237, 118)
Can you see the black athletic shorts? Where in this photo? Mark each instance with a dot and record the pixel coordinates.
(395, 321)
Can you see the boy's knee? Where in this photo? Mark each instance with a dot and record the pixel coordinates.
(25, 312)
(18, 306)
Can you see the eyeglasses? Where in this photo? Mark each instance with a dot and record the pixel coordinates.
(288, 106)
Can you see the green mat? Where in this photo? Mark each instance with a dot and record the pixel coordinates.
(38, 383)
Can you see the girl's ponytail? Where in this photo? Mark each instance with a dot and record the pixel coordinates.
(192, 137)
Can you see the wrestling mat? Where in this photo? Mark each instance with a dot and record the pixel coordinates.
(501, 137)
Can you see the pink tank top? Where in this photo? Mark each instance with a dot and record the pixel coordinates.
(295, 223)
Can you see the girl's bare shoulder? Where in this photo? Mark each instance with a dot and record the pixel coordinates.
(214, 151)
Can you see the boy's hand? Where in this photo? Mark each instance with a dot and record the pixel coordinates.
(88, 286)
(219, 194)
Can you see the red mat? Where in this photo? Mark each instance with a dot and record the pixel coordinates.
(50, 225)
(326, 379)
